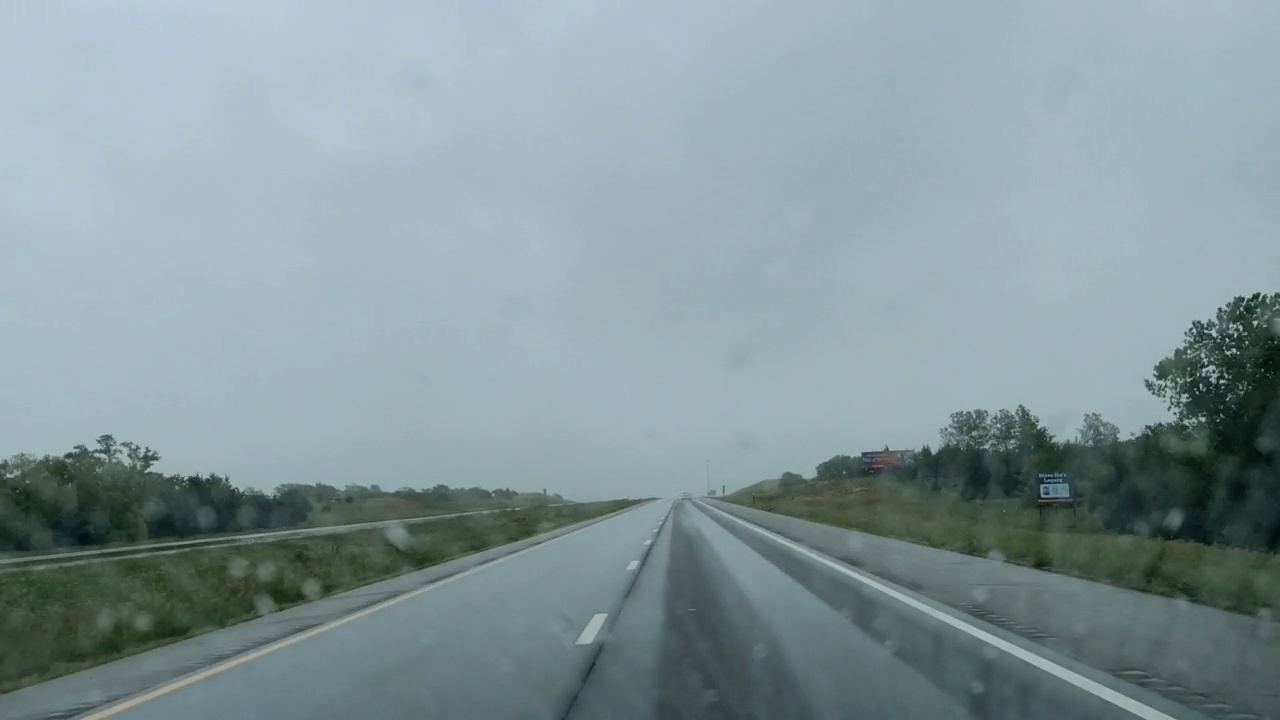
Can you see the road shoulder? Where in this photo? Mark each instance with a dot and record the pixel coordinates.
(1220, 663)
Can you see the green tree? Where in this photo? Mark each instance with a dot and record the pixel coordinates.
(1097, 432)
(1223, 385)
(976, 481)
(1003, 431)
(790, 481)
(927, 466)
(1226, 375)
(1033, 436)
(968, 430)
(838, 467)
(107, 447)
(141, 459)
(1007, 451)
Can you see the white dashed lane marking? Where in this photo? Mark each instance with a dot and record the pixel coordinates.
(592, 629)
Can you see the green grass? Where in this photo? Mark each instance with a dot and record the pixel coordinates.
(386, 508)
(389, 507)
(1238, 580)
(60, 620)
(764, 486)
(336, 513)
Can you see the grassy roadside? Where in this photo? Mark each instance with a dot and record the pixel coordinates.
(61, 620)
(394, 508)
(1238, 580)
(370, 510)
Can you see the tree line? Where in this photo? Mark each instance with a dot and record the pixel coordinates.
(110, 493)
(1209, 474)
(441, 497)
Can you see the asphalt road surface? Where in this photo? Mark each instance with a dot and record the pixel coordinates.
(669, 610)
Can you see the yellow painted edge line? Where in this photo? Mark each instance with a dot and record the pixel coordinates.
(136, 700)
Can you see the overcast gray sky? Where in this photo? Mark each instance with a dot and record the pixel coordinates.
(588, 246)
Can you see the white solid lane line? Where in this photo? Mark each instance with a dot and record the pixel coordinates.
(589, 632)
(633, 564)
(1102, 692)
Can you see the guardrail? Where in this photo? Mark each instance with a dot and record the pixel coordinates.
(36, 562)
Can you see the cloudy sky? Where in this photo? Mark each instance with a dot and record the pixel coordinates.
(590, 245)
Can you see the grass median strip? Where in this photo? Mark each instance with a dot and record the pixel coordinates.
(1229, 578)
(60, 620)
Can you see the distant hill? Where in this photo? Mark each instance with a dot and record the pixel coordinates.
(764, 486)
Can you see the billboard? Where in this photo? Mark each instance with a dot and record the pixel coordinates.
(1055, 487)
(876, 460)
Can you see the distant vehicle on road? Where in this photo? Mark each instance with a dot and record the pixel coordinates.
(686, 494)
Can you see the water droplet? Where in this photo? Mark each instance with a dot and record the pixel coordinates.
(263, 604)
(977, 688)
(206, 518)
(989, 653)
(143, 621)
(106, 620)
(238, 567)
(996, 555)
(266, 571)
(981, 594)
(311, 589)
(1268, 442)
(759, 652)
(1173, 519)
(398, 536)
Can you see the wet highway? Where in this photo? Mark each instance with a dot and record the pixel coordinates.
(669, 610)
